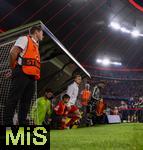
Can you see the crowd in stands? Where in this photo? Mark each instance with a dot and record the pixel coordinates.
(124, 89)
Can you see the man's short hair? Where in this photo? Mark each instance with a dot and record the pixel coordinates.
(35, 28)
(76, 76)
(65, 96)
(48, 90)
(87, 85)
(101, 82)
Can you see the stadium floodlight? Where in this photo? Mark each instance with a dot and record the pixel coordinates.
(106, 62)
(117, 63)
(99, 61)
(123, 29)
(115, 25)
(135, 33)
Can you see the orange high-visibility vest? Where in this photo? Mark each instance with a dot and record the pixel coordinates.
(100, 107)
(31, 59)
(85, 96)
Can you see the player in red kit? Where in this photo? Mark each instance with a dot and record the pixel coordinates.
(63, 110)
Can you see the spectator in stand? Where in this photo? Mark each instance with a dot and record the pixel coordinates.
(123, 111)
(108, 111)
(140, 102)
(115, 111)
(140, 112)
(131, 112)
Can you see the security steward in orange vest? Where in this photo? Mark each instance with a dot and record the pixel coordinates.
(85, 95)
(85, 98)
(24, 60)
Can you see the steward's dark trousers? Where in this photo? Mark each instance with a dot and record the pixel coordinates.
(84, 118)
(21, 93)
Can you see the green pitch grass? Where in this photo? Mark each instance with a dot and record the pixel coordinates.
(101, 137)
